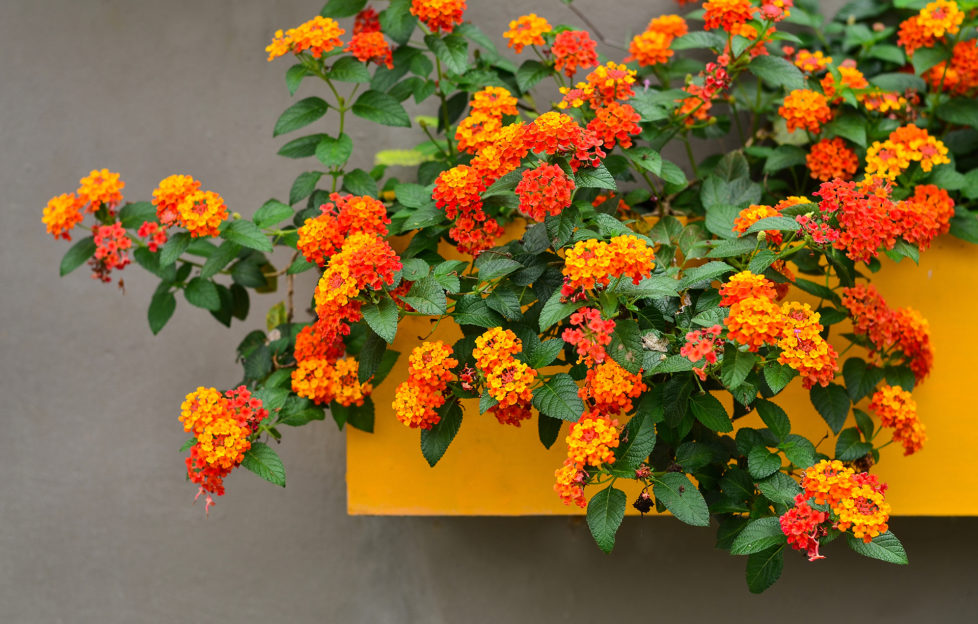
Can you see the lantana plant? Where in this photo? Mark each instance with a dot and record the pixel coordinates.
(607, 296)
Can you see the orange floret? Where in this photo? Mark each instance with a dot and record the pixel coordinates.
(369, 47)
(755, 322)
(100, 188)
(169, 193)
(439, 15)
(830, 158)
(318, 36)
(202, 213)
(527, 30)
(62, 214)
(805, 109)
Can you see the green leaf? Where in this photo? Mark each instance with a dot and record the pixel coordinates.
(774, 417)
(174, 248)
(637, 442)
(342, 8)
(555, 310)
(135, 214)
(799, 450)
(885, 547)
(682, 499)
(646, 158)
(762, 463)
(889, 53)
(349, 69)
(782, 157)
(451, 50)
(427, 297)
(381, 108)
(736, 366)
(247, 234)
(849, 126)
(543, 353)
(597, 177)
(898, 82)
(861, 380)
(334, 153)
(530, 73)
(964, 225)
(759, 535)
(710, 412)
(777, 72)
(294, 77)
(304, 185)
(262, 460)
(414, 195)
(925, 58)
(958, 111)
(605, 511)
(77, 255)
(359, 182)
(382, 318)
(271, 213)
(414, 269)
(764, 568)
(203, 294)
(699, 39)
(779, 488)
(626, 346)
(784, 224)
(161, 308)
(778, 375)
(491, 266)
(186, 446)
(558, 398)
(435, 441)
(548, 429)
(301, 147)
(832, 403)
(704, 274)
(300, 114)
(225, 253)
(849, 447)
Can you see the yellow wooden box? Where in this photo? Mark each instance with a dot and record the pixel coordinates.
(497, 470)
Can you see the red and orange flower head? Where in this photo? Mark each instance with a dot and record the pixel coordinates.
(812, 62)
(169, 193)
(610, 388)
(592, 439)
(573, 50)
(369, 47)
(323, 381)
(805, 109)
(755, 322)
(608, 83)
(459, 190)
(494, 102)
(557, 133)
(367, 20)
(111, 250)
(318, 36)
(62, 214)
(751, 215)
(154, 234)
(897, 410)
(503, 154)
(830, 158)
(589, 334)
(591, 263)
(803, 348)
(322, 236)
(615, 123)
(439, 15)
(544, 190)
(864, 511)
(925, 215)
(652, 46)
(802, 525)
(702, 345)
(828, 482)
(864, 217)
(527, 30)
(570, 481)
(961, 76)
(202, 213)
(744, 285)
(726, 14)
(100, 188)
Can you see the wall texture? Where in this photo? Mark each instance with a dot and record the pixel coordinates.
(96, 523)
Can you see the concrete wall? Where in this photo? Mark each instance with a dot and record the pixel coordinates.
(96, 523)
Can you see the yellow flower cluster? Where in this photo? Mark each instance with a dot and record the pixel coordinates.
(527, 30)
(322, 381)
(592, 263)
(592, 439)
(319, 35)
(905, 145)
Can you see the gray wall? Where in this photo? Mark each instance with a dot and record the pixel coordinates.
(96, 523)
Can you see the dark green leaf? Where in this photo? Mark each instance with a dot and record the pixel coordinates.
(759, 535)
(626, 346)
(605, 511)
(958, 111)
(135, 214)
(381, 108)
(778, 375)
(762, 463)
(779, 488)
(451, 50)
(435, 441)
(777, 72)
(597, 177)
(699, 39)
(637, 441)
(334, 153)
(530, 73)
(885, 547)
(774, 417)
(304, 185)
(271, 212)
(349, 69)
(300, 114)
(359, 182)
(161, 308)
(898, 82)
(301, 147)
(174, 248)
(342, 8)
(558, 398)
(203, 294)
(861, 380)
(77, 255)
(224, 254)
(247, 234)
(799, 450)
(849, 447)
(925, 58)
(710, 412)
(492, 266)
(382, 318)
(262, 460)
(832, 403)
(736, 366)
(294, 77)
(427, 297)
(680, 496)
(704, 274)
(784, 156)
(764, 568)
(548, 429)
(555, 310)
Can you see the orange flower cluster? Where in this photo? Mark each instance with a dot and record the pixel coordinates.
(849, 78)
(201, 213)
(484, 125)
(571, 479)
(727, 14)
(111, 250)
(323, 380)
(544, 190)
(369, 47)
(830, 158)
(592, 263)
(502, 155)
(885, 102)
(615, 123)
(805, 109)
(812, 62)
(925, 215)
(438, 15)
(557, 133)
(507, 379)
(961, 76)
(592, 439)
(222, 427)
(610, 388)
(856, 499)
(527, 30)
(652, 46)
(802, 525)
(934, 21)
(168, 195)
(573, 50)
(897, 410)
(101, 188)
(907, 144)
(745, 285)
(318, 36)
(754, 213)
(459, 192)
(62, 214)
(803, 348)
(702, 345)
(755, 322)
(590, 334)
(903, 328)
(322, 236)
(417, 399)
(857, 218)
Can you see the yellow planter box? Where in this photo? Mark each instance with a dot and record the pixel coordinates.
(491, 469)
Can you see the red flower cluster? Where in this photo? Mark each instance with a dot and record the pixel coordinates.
(111, 250)
(459, 192)
(830, 158)
(555, 133)
(803, 527)
(856, 218)
(369, 47)
(322, 236)
(417, 400)
(154, 234)
(573, 50)
(590, 335)
(544, 190)
(925, 215)
(615, 123)
(702, 345)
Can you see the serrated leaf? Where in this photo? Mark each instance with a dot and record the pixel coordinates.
(598, 177)
(225, 253)
(783, 224)
(303, 186)
(203, 294)
(849, 446)
(359, 182)
(548, 429)
(135, 214)
(262, 460)
(77, 255)
(300, 114)
(626, 346)
(451, 50)
(736, 366)
(543, 353)
(301, 147)
(435, 441)
(349, 69)
(778, 375)
(710, 412)
(682, 499)
(832, 403)
(342, 8)
(271, 212)
(637, 441)
(381, 108)
(774, 417)
(799, 450)
(777, 72)
(762, 463)
(492, 266)
(758, 535)
(294, 77)
(427, 297)
(246, 234)
(885, 547)
(334, 153)
(698, 39)
(174, 248)
(704, 273)
(779, 488)
(605, 511)
(555, 310)
(861, 379)
(530, 73)
(382, 318)
(646, 158)
(558, 398)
